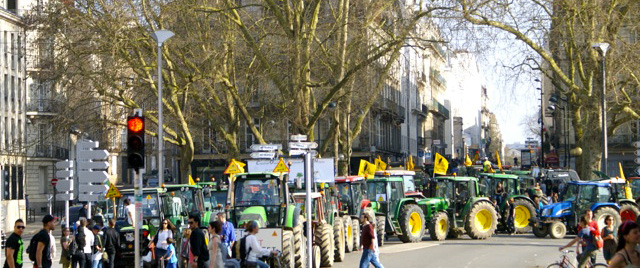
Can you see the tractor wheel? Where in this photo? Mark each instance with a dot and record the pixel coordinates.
(324, 238)
(541, 230)
(482, 220)
(602, 212)
(411, 223)
(557, 230)
(300, 246)
(338, 239)
(317, 257)
(288, 250)
(524, 211)
(439, 227)
(355, 223)
(380, 221)
(349, 235)
(629, 212)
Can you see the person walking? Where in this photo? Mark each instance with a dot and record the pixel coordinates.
(627, 256)
(215, 242)
(253, 248)
(78, 259)
(198, 243)
(588, 236)
(186, 258)
(82, 213)
(160, 240)
(228, 232)
(609, 239)
(111, 243)
(96, 257)
(511, 212)
(129, 212)
(65, 243)
(43, 249)
(172, 260)
(368, 241)
(14, 246)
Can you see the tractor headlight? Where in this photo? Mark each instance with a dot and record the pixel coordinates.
(562, 211)
(123, 245)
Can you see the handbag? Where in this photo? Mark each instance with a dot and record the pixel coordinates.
(105, 256)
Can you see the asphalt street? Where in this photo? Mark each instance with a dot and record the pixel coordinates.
(523, 250)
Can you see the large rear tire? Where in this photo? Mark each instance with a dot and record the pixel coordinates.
(380, 221)
(411, 223)
(288, 250)
(317, 257)
(541, 230)
(324, 238)
(439, 227)
(355, 223)
(349, 234)
(338, 238)
(524, 212)
(482, 220)
(602, 212)
(629, 212)
(300, 246)
(557, 230)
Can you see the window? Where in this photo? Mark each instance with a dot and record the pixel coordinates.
(14, 182)
(13, 52)
(4, 172)
(44, 182)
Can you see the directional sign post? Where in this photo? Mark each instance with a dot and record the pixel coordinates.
(637, 153)
(64, 185)
(91, 174)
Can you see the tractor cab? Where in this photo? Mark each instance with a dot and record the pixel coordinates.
(525, 207)
(189, 199)
(215, 196)
(261, 197)
(352, 195)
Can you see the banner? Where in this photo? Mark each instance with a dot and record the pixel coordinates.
(441, 165)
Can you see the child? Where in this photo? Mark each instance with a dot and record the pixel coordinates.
(172, 259)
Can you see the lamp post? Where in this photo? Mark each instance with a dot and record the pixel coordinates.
(541, 123)
(160, 36)
(603, 48)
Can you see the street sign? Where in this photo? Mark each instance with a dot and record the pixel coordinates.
(93, 176)
(113, 192)
(265, 147)
(54, 181)
(233, 168)
(637, 161)
(281, 166)
(93, 165)
(263, 155)
(638, 170)
(65, 197)
(92, 155)
(303, 145)
(64, 164)
(85, 188)
(637, 152)
(64, 185)
(636, 144)
(301, 152)
(88, 198)
(63, 174)
(299, 137)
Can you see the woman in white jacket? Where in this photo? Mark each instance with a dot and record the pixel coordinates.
(252, 246)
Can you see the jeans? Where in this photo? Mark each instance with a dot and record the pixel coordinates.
(261, 264)
(96, 263)
(79, 260)
(88, 258)
(172, 265)
(582, 258)
(112, 259)
(368, 256)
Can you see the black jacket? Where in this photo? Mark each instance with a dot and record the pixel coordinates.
(198, 245)
(111, 240)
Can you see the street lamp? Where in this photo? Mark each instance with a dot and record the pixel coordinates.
(603, 47)
(160, 36)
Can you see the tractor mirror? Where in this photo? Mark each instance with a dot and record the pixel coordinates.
(299, 183)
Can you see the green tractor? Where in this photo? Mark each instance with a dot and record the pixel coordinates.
(265, 198)
(528, 184)
(323, 232)
(352, 200)
(395, 204)
(525, 208)
(215, 197)
(191, 199)
(455, 208)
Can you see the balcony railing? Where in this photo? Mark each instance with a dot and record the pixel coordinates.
(437, 77)
(43, 105)
(50, 151)
(438, 108)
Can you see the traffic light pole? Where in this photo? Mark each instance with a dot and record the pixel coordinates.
(137, 222)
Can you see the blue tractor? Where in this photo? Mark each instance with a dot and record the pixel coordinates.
(559, 218)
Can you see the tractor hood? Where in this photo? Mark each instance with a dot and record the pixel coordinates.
(256, 213)
(557, 210)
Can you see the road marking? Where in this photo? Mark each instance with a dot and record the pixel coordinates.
(406, 247)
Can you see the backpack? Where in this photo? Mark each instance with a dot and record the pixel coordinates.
(243, 254)
(73, 248)
(33, 246)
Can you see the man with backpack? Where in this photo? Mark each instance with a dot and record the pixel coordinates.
(40, 246)
(198, 242)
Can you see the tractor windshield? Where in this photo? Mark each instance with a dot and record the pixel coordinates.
(150, 207)
(377, 191)
(186, 197)
(409, 183)
(344, 193)
(443, 189)
(216, 198)
(570, 193)
(526, 182)
(258, 192)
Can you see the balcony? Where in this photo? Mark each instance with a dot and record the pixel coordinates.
(437, 108)
(438, 78)
(49, 151)
(421, 112)
(42, 107)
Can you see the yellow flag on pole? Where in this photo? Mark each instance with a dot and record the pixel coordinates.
(191, 182)
(410, 165)
(371, 170)
(441, 165)
(467, 161)
(362, 167)
(380, 165)
(627, 186)
(498, 159)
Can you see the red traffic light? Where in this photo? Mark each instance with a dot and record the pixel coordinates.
(135, 124)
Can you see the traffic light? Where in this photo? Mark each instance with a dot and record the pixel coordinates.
(135, 142)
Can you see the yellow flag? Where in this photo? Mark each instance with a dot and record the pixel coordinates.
(499, 162)
(380, 165)
(191, 182)
(467, 161)
(363, 167)
(411, 165)
(371, 170)
(627, 186)
(441, 165)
